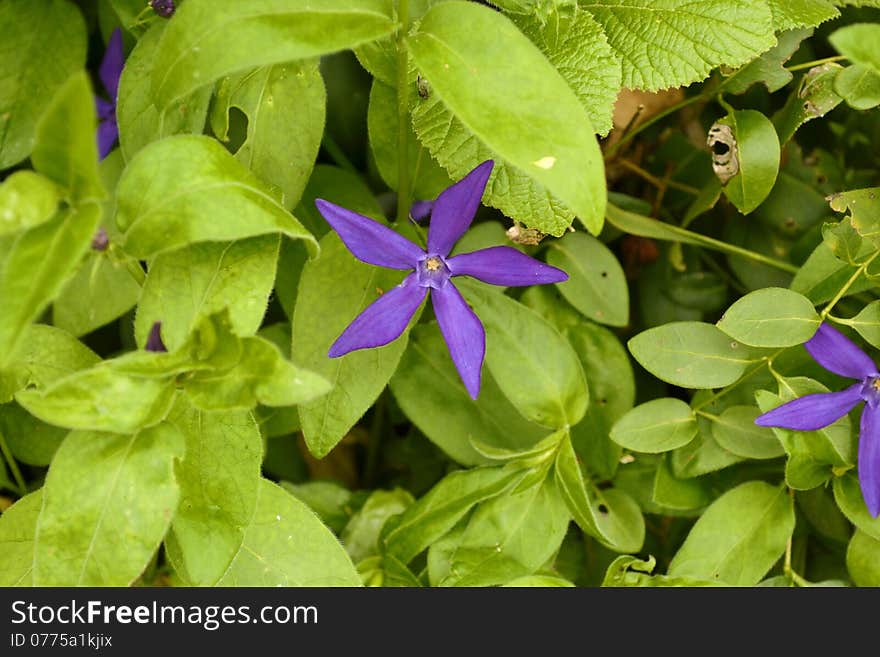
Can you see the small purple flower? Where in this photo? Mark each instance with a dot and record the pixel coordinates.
(836, 353)
(109, 72)
(387, 317)
(163, 7)
(154, 340)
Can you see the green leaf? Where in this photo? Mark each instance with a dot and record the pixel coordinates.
(670, 492)
(867, 323)
(188, 189)
(596, 284)
(48, 253)
(336, 288)
(46, 355)
(43, 44)
(769, 68)
(27, 199)
(735, 430)
(30, 441)
(756, 149)
(219, 479)
(788, 14)
(539, 581)
(100, 488)
(207, 40)
(191, 283)
(848, 495)
(285, 544)
(140, 122)
(361, 535)
(494, 80)
(823, 275)
(814, 97)
(284, 105)
(739, 537)
(331, 501)
(17, 528)
(663, 43)
(443, 506)
(771, 317)
(429, 391)
(863, 206)
(859, 43)
(859, 86)
(101, 290)
(691, 355)
(65, 149)
(534, 366)
(383, 123)
(656, 426)
(631, 571)
(863, 559)
(509, 536)
(593, 72)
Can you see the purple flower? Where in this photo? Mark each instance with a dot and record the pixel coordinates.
(387, 317)
(109, 72)
(836, 353)
(163, 7)
(154, 339)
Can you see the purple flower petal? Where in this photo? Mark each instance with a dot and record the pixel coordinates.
(105, 108)
(112, 63)
(463, 333)
(869, 458)
(369, 240)
(154, 340)
(383, 320)
(837, 353)
(420, 210)
(455, 208)
(812, 412)
(108, 133)
(504, 265)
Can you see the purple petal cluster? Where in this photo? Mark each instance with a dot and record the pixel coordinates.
(432, 271)
(109, 72)
(164, 8)
(836, 353)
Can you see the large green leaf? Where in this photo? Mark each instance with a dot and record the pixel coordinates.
(771, 317)
(187, 189)
(30, 440)
(429, 390)
(333, 290)
(739, 537)
(41, 45)
(285, 544)
(284, 105)
(756, 149)
(219, 479)
(663, 43)
(495, 81)
(211, 38)
(108, 501)
(18, 524)
(659, 425)
(848, 495)
(788, 14)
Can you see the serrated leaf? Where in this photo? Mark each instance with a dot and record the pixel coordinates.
(788, 14)
(41, 45)
(663, 43)
(739, 537)
(593, 72)
(189, 189)
(101, 487)
(494, 81)
(769, 67)
(285, 544)
(209, 38)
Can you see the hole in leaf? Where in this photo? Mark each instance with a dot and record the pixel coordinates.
(602, 508)
(720, 148)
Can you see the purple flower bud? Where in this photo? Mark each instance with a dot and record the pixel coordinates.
(101, 240)
(154, 341)
(163, 7)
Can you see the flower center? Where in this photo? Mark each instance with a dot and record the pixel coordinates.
(432, 272)
(871, 390)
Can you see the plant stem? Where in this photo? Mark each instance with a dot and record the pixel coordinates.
(624, 140)
(13, 466)
(815, 62)
(656, 182)
(767, 360)
(403, 184)
(336, 153)
(846, 286)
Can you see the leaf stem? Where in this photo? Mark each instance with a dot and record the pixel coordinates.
(13, 466)
(846, 286)
(815, 62)
(625, 139)
(657, 182)
(403, 184)
(766, 361)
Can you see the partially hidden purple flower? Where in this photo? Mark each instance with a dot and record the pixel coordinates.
(164, 8)
(387, 317)
(109, 72)
(154, 339)
(836, 353)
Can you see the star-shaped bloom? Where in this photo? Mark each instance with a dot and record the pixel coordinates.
(836, 353)
(109, 72)
(387, 317)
